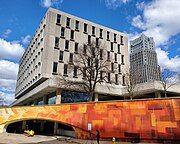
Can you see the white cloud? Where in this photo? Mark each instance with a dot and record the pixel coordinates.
(140, 5)
(10, 50)
(115, 3)
(25, 40)
(6, 33)
(8, 70)
(137, 22)
(50, 3)
(7, 98)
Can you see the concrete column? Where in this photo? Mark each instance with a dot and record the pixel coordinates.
(44, 100)
(58, 96)
(96, 97)
(158, 94)
(24, 125)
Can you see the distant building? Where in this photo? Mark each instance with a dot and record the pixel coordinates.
(54, 44)
(143, 60)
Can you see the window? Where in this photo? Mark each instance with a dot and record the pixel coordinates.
(101, 30)
(108, 55)
(58, 19)
(109, 78)
(89, 61)
(77, 25)
(112, 67)
(76, 48)
(92, 74)
(66, 45)
(93, 30)
(55, 67)
(119, 68)
(62, 31)
(116, 78)
(84, 72)
(61, 56)
(101, 75)
(122, 40)
(107, 35)
(115, 57)
(123, 80)
(75, 71)
(97, 42)
(84, 49)
(114, 37)
(101, 54)
(72, 35)
(56, 42)
(119, 50)
(89, 39)
(122, 59)
(85, 28)
(68, 22)
(71, 58)
(112, 46)
(65, 69)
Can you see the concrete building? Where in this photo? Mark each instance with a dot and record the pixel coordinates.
(55, 42)
(143, 60)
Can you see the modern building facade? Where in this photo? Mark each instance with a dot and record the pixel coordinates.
(55, 43)
(143, 60)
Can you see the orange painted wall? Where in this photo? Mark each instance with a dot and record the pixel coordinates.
(150, 119)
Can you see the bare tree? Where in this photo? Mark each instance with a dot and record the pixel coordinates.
(168, 79)
(92, 63)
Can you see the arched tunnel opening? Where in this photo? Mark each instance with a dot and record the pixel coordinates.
(41, 127)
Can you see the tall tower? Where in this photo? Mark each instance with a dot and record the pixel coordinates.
(143, 60)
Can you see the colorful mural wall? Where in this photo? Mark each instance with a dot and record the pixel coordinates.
(146, 119)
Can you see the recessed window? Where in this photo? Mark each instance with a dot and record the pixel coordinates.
(62, 31)
(108, 55)
(119, 50)
(114, 37)
(108, 35)
(93, 30)
(84, 72)
(75, 71)
(115, 57)
(89, 39)
(65, 69)
(121, 39)
(61, 55)
(112, 67)
(72, 35)
(71, 58)
(97, 42)
(68, 22)
(85, 28)
(101, 75)
(101, 54)
(109, 77)
(66, 45)
(77, 25)
(123, 80)
(101, 31)
(116, 78)
(122, 59)
(55, 67)
(92, 74)
(56, 42)
(119, 68)
(89, 61)
(58, 18)
(84, 49)
(76, 48)
(112, 49)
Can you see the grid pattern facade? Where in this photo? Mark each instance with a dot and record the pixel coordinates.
(56, 42)
(143, 60)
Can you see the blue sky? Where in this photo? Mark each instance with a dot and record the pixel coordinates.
(20, 18)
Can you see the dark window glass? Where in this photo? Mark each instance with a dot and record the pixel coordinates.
(84, 72)
(62, 31)
(75, 71)
(97, 42)
(123, 80)
(112, 46)
(56, 42)
(119, 50)
(71, 58)
(77, 25)
(89, 61)
(115, 57)
(89, 39)
(68, 22)
(122, 59)
(108, 35)
(116, 78)
(92, 74)
(101, 75)
(76, 48)
(65, 69)
(72, 34)
(119, 68)
(85, 28)
(66, 45)
(55, 67)
(114, 37)
(121, 39)
(61, 56)
(108, 55)
(58, 18)
(84, 49)
(101, 53)
(109, 77)
(101, 30)
(93, 30)
(112, 67)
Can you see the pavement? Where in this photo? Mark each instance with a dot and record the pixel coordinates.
(10, 138)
